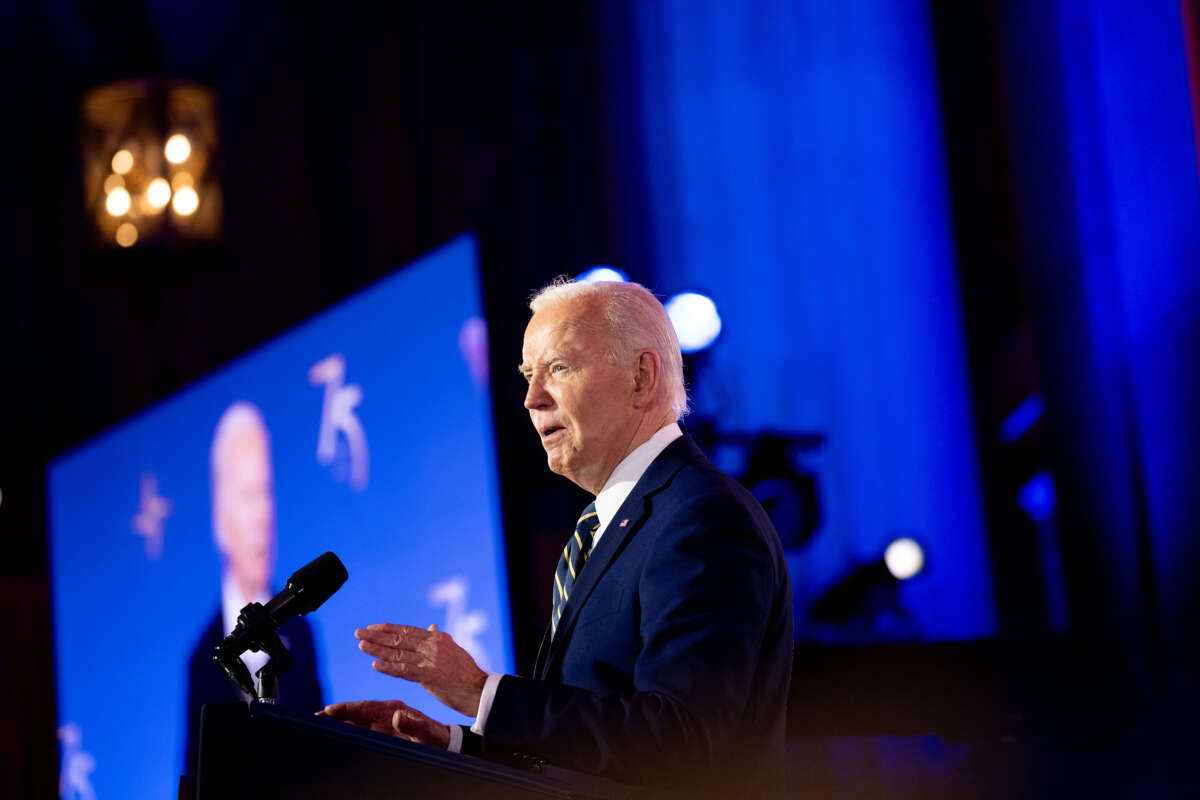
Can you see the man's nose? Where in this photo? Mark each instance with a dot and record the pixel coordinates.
(536, 396)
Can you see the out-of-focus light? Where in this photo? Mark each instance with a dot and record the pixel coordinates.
(142, 135)
(122, 162)
(126, 234)
(158, 193)
(1024, 417)
(177, 149)
(904, 558)
(697, 323)
(602, 275)
(186, 201)
(1037, 497)
(117, 201)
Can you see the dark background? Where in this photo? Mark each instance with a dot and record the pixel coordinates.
(354, 139)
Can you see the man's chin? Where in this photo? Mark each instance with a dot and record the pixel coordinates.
(558, 465)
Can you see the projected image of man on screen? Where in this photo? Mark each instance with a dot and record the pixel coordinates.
(243, 528)
(668, 654)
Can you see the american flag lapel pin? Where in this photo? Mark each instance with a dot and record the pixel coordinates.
(624, 522)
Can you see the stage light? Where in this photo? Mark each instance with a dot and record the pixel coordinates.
(122, 162)
(788, 492)
(113, 182)
(126, 234)
(158, 193)
(904, 558)
(186, 201)
(866, 604)
(602, 275)
(177, 149)
(181, 180)
(1037, 497)
(696, 321)
(117, 202)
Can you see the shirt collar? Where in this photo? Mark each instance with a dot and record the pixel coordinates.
(622, 480)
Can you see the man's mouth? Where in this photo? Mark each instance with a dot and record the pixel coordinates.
(551, 430)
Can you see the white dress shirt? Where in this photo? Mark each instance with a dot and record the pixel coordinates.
(618, 486)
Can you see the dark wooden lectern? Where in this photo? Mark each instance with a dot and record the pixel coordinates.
(258, 751)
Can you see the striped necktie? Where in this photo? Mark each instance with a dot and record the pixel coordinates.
(574, 555)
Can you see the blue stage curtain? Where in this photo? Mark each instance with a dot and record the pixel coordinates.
(1105, 143)
(791, 163)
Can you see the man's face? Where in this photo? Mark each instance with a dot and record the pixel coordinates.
(580, 403)
(246, 509)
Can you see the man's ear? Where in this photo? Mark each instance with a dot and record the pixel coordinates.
(647, 374)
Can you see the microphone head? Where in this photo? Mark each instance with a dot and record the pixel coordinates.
(316, 581)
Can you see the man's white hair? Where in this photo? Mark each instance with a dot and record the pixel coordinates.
(635, 319)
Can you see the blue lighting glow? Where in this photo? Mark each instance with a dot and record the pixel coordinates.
(602, 275)
(1022, 419)
(1036, 498)
(697, 323)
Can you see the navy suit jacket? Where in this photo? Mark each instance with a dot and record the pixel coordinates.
(674, 652)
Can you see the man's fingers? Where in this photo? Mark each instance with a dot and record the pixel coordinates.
(392, 717)
(366, 714)
(355, 710)
(392, 635)
(411, 724)
(384, 653)
(401, 669)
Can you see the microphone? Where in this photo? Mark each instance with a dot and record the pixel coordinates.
(306, 590)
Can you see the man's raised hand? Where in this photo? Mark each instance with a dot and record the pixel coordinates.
(428, 657)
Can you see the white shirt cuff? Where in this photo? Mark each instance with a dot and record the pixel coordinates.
(485, 702)
(455, 745)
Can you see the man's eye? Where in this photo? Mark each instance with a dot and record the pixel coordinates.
(559, 368)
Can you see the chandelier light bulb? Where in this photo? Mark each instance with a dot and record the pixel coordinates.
(122, 162)
(177, 149)
(117, 202)
(127, 234)
(158, 193)
(186, 201)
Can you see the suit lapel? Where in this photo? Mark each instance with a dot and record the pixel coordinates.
(635, 509)
(539, 664)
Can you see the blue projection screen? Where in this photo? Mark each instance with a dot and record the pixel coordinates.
(366, 431)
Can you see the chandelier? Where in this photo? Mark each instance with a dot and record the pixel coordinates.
(149, 150)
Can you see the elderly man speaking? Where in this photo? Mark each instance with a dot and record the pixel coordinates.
(668, 653)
